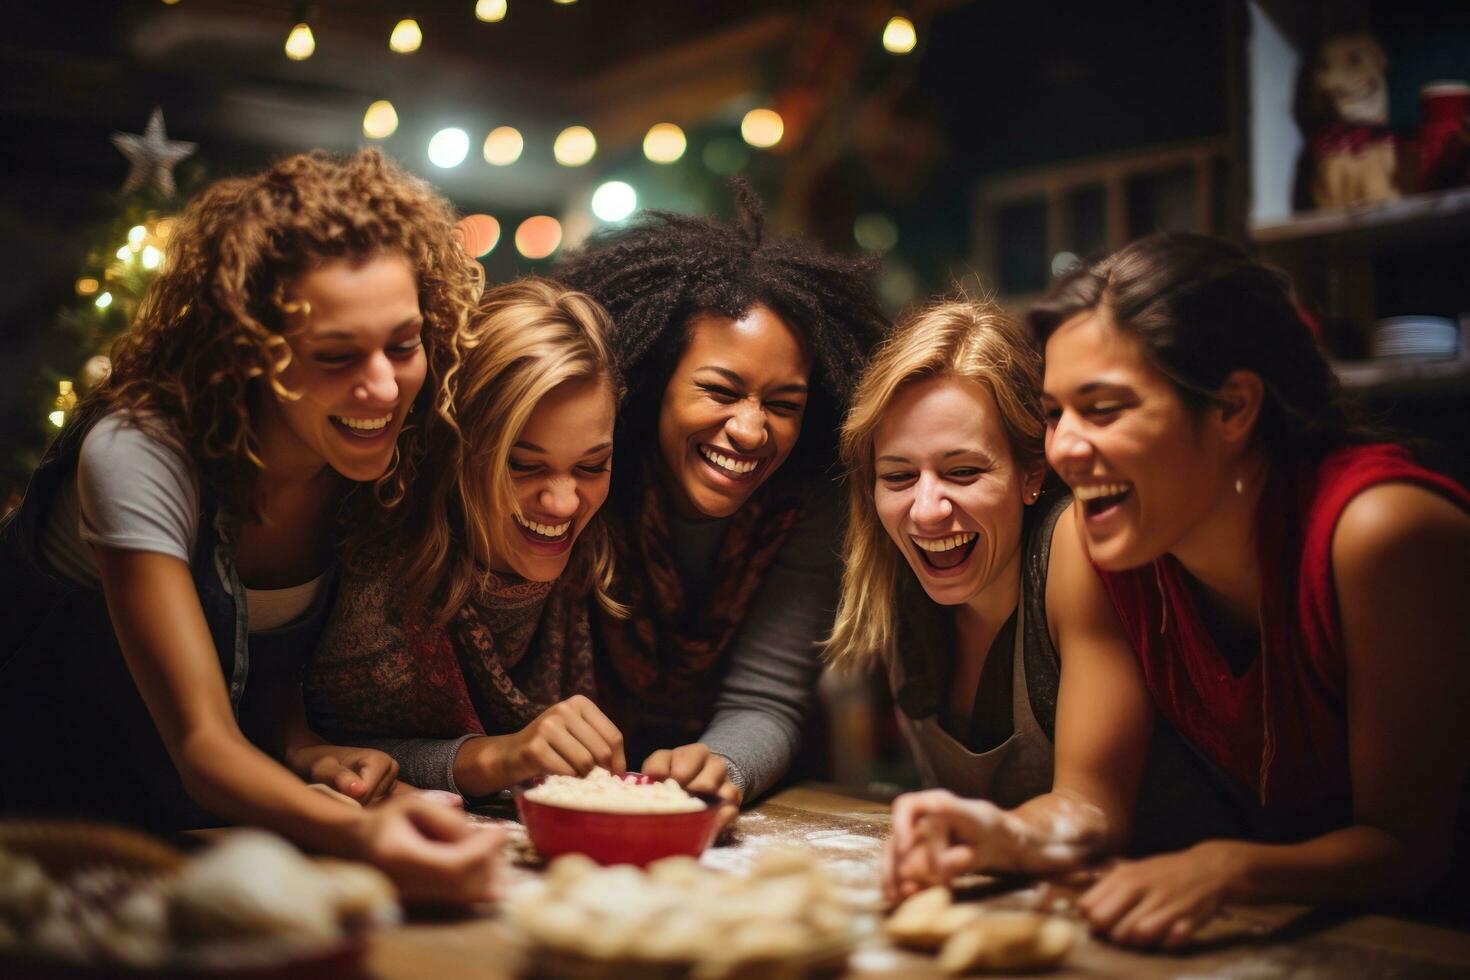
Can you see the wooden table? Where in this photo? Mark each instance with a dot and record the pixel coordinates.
(847, 834)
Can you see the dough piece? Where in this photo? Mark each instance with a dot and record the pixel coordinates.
(253, 884)
(1007, 943)
(679, 871)
(360, 895)
(682, 937)
(567, 870)
(913, 922)
(776, 862)
(767, 939)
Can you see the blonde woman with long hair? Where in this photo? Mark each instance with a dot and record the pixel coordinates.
(461, 643)
(957, 585)
(174, 558)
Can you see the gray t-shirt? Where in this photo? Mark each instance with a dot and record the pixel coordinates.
(135, 490)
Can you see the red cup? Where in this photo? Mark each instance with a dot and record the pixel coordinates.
(617, 838)
(1443, 149)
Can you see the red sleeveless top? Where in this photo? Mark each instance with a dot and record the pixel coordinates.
(1280, 729)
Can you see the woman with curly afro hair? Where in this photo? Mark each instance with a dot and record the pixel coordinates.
(172, 562)
(739, 354)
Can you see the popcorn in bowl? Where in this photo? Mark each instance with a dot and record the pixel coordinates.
(603, 792)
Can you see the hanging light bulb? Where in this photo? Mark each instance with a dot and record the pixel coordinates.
(503, 146)
(151, 257)
(380, 121)
(300, 43)
(762, 127)
(406, 36)
(664, 143)
(899, 36)
(566, 3)
(490, 11)
(574, 146)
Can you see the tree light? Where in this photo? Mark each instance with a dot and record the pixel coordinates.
(449, 147)
(87, 286)
(899, 36)
(614, 201)
(58, 419)
(664, 143)
(406, 36)
(125, 253)
(103, 301)
(380, 121)
(574, 146)
(300, 43)
(762, 127)
(490, 11)
(136, 234)
(151, 257)
(503, 146)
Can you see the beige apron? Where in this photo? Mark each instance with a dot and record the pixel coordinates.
(1008, 775)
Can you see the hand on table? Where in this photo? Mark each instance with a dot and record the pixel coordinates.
(365, 775)
(698, 770)
(1162, 901)
(938, 836)
(432, 852)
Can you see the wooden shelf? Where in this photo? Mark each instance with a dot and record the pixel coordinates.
(1405, 376)
(1419, 217)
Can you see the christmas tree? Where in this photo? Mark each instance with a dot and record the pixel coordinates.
(127, 251)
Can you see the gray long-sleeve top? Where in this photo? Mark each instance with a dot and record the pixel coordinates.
(772, 665)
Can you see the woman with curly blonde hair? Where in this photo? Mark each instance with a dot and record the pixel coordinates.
(173, 560)
(462, 643)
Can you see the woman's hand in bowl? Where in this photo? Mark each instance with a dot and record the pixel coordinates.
(698, 770)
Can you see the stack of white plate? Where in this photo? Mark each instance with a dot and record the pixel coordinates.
(1414, 336)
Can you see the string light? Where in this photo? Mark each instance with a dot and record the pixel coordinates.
(300, 43)
(163, 229)
(58, 419)
(136, 235)
(449, 147)
(380, 121)
(574, 146)
(538, 237)
(151, 257)
(762, 127)
(614, 201)
(406, 36)
(103, 301)
(899, 36)
(125, 253)
(565, 3)
(664, 143)
(503, 146)
(87, 286)
(490, 11)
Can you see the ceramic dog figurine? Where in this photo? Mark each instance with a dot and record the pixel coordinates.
(1354, 154)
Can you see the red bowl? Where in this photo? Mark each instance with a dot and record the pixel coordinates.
(617, 838)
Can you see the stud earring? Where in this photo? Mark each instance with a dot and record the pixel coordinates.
(1239, 487)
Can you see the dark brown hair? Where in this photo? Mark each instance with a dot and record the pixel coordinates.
(1201, 308)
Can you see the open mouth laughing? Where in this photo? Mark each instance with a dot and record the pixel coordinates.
(946, 554)
(362, 428)
(1101, 500)
(547, 539)
(731, 466)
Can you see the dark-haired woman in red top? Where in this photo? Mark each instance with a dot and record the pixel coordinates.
(1298, 596)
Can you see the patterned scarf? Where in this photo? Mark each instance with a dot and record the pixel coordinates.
(510, 653)
(666, 658)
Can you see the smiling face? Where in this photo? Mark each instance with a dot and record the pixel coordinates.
(948, 490)
(560, 467)
(1145, 470)
(357, 364)
(732, 411)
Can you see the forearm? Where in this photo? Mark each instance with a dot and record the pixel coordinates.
(425, 763)
(236, 781)
(1355, 863)
(1084, 823)
(758, 745)
(482, 766)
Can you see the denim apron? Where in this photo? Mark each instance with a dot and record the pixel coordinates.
(77, 737)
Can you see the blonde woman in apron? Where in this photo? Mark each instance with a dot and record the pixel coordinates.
(957, 585)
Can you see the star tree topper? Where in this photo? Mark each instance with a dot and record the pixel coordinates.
(153, 156)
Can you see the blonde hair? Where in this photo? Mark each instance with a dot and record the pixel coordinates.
(951, 338)
(211, 331)
(526, 338)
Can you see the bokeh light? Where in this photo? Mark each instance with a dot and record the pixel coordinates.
(380, 121)
(503, 146)
(725, 155)
(899, 36)
(614, 201)
(538, 237)
(406, 36)
(574, 146)
(299, 43)
(762, 127)
(664, 143)
(875, 232)
(449, 147)
(478, 233)
(490, 11)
